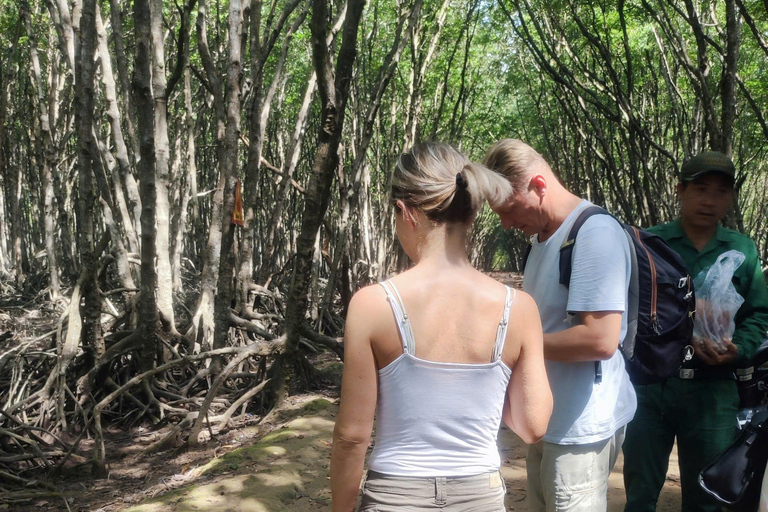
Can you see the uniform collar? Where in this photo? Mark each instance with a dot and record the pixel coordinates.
(676, 231)
(722, 234)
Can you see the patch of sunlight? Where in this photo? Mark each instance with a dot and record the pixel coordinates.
(281, 478)
(275, 450)
(279, 435)
(312, 422)
(252, 505)
(148, 507)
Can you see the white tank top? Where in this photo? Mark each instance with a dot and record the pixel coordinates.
(439, 419)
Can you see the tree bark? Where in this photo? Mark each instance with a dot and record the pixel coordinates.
(257, 120)
(92, 334)
(116, 20)
(142, 86)
(333, 98)
(50, 155)
(728, 80)
(228, 170)
(127, 180)
(162, 152)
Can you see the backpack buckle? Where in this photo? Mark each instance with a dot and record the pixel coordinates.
(687, 373)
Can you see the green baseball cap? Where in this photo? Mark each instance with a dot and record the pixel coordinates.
(707, 161)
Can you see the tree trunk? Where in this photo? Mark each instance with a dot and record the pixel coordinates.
(333, 98)
(92, 335)
(142, 86)
(127, 180)
(116, 18)
(291, 160)
(50, 156)
(728, 80)
(228, 170)
(162, 152)
(257, 120)
(201, 328)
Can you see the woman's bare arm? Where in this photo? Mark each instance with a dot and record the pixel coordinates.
(528, 405)
(359, 388)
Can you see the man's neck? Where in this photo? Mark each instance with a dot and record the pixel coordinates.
(559, 206)
(698, 235)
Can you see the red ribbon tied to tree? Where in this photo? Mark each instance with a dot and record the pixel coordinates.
(238, 215)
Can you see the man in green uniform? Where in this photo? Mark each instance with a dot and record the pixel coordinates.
(697, 406)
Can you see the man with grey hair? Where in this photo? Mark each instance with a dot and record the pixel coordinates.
(583, 324)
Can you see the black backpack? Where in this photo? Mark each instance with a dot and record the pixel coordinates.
(661, 303)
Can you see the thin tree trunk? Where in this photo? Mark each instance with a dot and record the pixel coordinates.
(162, 151)
(258, 116)
(201, 327)
(333, 98)
(271, 247)
(142, 86)
(92, 335)
(189, 191)
(728, 81)
(228, 170)
(116, 19)
(6, 78)
(127, 180)
(50, 156)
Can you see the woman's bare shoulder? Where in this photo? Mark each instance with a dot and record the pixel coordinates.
(524, 305)
(367, 304)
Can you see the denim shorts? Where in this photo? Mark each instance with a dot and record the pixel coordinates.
(477, 493)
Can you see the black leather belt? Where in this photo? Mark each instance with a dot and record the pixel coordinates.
(706, 374)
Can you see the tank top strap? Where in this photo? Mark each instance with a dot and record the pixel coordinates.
(401, 317)
(501, 332)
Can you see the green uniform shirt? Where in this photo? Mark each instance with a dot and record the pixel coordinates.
(752, 318)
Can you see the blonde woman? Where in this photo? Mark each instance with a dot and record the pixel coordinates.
(442, 353)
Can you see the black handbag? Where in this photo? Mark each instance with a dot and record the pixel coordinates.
(735, 477)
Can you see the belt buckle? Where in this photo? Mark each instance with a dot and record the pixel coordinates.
(686, 373)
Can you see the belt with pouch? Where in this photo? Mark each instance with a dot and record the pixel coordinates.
(713, 373)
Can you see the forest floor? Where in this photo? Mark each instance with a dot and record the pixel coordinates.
(246, 470)
(276, 464)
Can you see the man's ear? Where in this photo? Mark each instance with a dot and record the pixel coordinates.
(539, 185)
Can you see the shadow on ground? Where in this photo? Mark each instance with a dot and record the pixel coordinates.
(288, 471)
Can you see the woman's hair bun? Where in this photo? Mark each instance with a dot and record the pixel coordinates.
(461, 181)
(445, 184)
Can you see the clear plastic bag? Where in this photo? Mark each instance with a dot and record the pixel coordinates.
(717, 301)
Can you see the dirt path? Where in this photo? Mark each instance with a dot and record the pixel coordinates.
(284, 471)
(288, 471)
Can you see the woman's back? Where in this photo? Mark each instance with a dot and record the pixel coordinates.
(438, 418)
(442, 394)
(454, 317)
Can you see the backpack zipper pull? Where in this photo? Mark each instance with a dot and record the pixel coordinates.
(655, 324)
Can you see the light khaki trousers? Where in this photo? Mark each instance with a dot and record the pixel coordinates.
(571, 478)
(479, 493)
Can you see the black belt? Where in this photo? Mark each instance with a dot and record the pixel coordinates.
(706, 374)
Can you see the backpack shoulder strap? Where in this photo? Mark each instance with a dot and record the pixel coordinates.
(566, 259)
(566, 250)
(526, 254)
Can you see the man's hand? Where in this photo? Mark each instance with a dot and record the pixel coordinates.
(704, 350)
